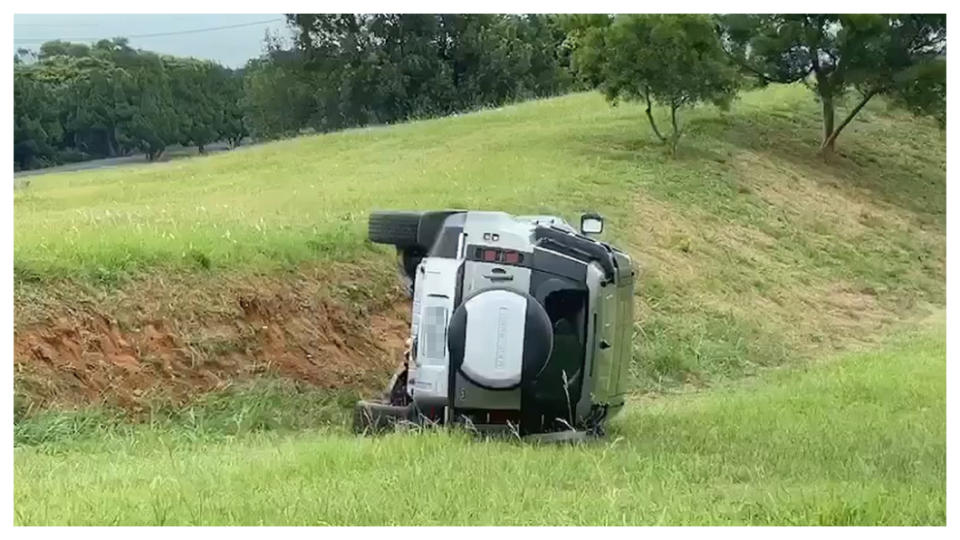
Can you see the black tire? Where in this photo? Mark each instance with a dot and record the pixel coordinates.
(394, 228)
(373, 417)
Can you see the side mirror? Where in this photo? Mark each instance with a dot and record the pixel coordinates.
(591, 224)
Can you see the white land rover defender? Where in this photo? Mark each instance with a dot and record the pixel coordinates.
(519, 323)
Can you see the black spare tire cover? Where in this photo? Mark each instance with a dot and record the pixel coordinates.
(486, 331)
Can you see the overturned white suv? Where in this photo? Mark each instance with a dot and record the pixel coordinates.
(519, 323)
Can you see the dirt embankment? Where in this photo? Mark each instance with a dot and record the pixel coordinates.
(168, 339)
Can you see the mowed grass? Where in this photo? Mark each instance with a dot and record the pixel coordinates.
(854, 440)
(308, 198)
(751, 250)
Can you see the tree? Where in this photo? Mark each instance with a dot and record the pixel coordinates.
(79, 102)
(901, 56)
(278, 97)
(196, 88)
(63, 48)
(85, 97)
(384, 68)
(234, 127)
(672, 60)
(36, 127)
(548, 73)
(151, 119)
(348, 70)
(96, 95)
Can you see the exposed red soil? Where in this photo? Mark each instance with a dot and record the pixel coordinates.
(171, 340)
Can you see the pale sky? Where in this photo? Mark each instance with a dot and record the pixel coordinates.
(201, 36)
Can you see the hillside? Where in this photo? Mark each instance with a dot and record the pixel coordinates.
(141, 285)
(857, 440)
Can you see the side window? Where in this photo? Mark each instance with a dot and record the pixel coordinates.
(566, 309)
(565, 305)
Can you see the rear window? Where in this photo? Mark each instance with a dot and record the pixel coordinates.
(434, 334)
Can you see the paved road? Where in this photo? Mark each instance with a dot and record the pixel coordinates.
(172, 152)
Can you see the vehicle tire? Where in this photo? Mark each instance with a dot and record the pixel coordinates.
(394, 228)
(373, 417)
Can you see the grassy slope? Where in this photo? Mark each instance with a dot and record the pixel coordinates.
(307, 198)
(303, 199)
(752, 251)
(855, 440)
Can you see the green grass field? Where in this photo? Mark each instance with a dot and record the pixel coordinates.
(307, 198)
(854, 440)
(751, 250)
(760, 265)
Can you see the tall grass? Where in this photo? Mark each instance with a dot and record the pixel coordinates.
(263, 405)
(857, 440)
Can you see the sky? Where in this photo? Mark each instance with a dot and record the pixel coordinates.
(196, 35)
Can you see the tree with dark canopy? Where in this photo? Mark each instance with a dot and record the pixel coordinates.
(361, 69)
(672, 60)
(77, 102)
(900, 56)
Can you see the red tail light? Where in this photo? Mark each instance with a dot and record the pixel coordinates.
(498, 255)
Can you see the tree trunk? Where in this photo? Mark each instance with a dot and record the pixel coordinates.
(111, 147)
(201, 148)
(828, 144)
(652, 123)
(115, 140)
(676, 128)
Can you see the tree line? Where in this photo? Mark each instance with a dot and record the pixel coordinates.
(357, 70)
(75, 102)
(78, 102)
(676, 61)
